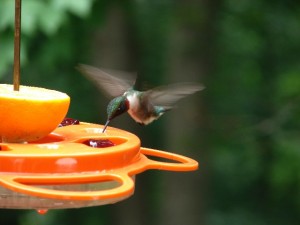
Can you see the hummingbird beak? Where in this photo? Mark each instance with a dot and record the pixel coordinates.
(107, 122)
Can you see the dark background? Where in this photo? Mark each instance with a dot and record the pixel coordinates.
(243, 128)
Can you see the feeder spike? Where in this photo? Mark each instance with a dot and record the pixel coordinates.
(17, 45)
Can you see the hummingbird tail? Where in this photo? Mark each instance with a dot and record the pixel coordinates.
(107, 122)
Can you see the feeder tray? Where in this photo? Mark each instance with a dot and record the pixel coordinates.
(60, 171)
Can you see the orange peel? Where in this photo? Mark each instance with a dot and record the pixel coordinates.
(30, 113)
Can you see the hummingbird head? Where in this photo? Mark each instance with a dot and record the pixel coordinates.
(116, 107)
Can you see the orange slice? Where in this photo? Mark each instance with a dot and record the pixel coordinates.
(30, 113)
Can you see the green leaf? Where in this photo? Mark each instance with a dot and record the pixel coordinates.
(51, 20)
(31, 11)
(7, 14)
(80, 8)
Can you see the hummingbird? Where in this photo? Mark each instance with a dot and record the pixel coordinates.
(143, 106)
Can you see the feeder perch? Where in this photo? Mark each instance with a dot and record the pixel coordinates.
(60, 171)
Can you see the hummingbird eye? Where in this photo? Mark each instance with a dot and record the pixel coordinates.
(122, 108)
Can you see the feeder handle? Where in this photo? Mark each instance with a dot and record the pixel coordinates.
(20, 184)
(182, 163)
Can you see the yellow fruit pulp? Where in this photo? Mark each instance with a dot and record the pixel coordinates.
(30, 113)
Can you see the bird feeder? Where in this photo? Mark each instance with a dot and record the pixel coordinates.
(61, 171)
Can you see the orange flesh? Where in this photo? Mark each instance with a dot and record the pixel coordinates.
(31, 113)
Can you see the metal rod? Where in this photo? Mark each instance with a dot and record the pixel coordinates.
(16, 77)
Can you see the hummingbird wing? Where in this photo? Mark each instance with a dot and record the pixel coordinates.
(111, 85)
(167, 96)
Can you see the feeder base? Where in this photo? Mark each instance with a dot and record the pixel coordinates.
(15, 200)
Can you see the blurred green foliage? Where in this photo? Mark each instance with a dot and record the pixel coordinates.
(247, 54)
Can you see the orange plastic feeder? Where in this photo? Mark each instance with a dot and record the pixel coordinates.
(60, 171)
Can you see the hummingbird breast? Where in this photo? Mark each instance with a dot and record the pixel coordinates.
(140, 109)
